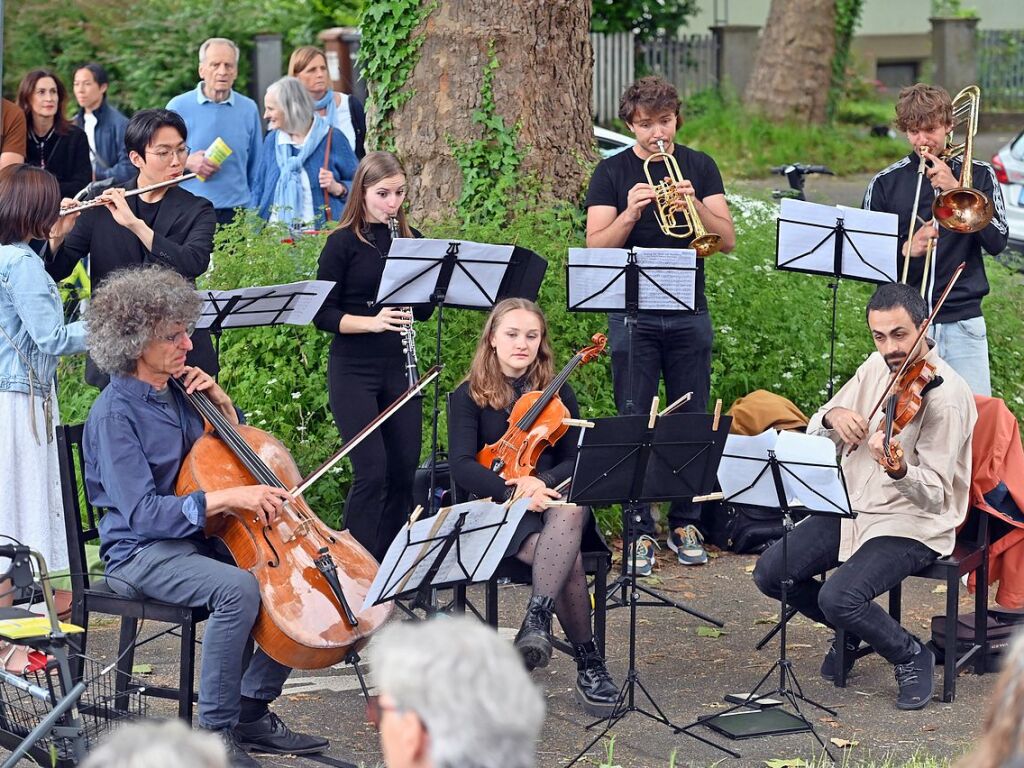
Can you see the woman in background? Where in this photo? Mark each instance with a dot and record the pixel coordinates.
(305, 166)
(55, 144)
(343, 111)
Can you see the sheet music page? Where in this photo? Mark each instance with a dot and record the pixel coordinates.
(818, 488)
(674, 276)
(487, 264)
(802, 228)
(291, 304)
(743, 472)
(596, 279)
(482, 544)
(874, 233)
(408, 548)
(410, 271)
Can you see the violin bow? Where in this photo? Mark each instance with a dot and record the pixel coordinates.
(365, 432)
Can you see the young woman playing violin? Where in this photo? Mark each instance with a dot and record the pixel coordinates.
(514, 357)
(910, 492)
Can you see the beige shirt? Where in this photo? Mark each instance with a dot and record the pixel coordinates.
(930, 501)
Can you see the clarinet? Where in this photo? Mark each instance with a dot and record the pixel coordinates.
(408, 332)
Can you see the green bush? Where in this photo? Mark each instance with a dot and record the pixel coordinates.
(771, 332)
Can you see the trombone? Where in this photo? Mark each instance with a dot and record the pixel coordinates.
(667, 204)
(963, 209)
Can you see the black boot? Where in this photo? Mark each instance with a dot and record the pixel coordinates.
(594, 687)
(533, 640)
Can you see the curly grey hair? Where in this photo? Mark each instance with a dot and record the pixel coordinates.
(467, 685)
(129, 307)
(171, 744)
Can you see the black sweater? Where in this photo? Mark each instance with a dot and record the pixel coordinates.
(892, 191)
(471, 427)
(356, 268)
(66, 156)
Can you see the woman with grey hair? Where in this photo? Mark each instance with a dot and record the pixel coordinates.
(452, 694)
(152, 540)
(305, 166)
(170, 744)
(1001, 744)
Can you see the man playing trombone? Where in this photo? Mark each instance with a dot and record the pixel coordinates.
(929, 251)
(625, 209)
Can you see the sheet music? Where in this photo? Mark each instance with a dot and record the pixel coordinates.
(874, 233)
(804, 237)
(481, 547)
(746, 478)
(596, 278)
(414, 264)
(673, 271)
(291, 304)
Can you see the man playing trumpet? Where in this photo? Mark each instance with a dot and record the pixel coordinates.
(925, 115)
(676, 344)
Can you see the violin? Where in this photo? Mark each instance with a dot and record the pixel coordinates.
(309, 575)
(902, 406)
(535, 422)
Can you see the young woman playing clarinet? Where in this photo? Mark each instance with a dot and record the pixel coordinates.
(367, 368)
(513, 357)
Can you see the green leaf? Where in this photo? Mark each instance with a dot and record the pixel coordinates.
(710, 632)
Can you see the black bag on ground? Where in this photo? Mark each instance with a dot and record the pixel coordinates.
(741, 528)
(1001, 627)
(442, 482)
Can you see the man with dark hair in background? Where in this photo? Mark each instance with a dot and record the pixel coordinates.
(103, 124)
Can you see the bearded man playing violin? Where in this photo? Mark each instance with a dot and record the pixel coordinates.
(138, 432)
(909, 496)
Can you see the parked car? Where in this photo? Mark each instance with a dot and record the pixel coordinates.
(1008, 163)
(611, 143)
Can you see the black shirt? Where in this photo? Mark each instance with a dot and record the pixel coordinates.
(65, 155)
(471, 427)
(356, 268)
(616, 175)
(892, 190)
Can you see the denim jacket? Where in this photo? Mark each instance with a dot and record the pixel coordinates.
(32, 315)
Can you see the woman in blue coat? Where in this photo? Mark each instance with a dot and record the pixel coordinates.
(305, 166)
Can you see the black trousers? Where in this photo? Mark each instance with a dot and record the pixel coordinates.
(384, 464)
(846, 599)
(678, 347)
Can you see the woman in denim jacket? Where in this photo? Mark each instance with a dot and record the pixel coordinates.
(33, 336)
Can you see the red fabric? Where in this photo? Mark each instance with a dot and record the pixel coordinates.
(997, 455)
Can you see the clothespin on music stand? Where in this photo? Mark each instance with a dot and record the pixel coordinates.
(718, 415)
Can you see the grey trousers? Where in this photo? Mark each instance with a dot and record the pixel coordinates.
(187, 572)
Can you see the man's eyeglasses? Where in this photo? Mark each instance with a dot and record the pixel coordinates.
(375, 711)
(164, 155)
(177, 338)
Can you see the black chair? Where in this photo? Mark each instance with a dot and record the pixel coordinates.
(970, 555)
(94, 596)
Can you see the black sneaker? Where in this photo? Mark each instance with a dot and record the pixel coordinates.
(915, 679)
(270, 734)
(828, 664)
(238, 757)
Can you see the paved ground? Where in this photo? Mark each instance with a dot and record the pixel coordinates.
(686, 674)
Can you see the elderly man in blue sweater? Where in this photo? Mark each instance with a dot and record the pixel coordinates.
(213, 109)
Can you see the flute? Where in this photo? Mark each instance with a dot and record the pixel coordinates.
(98, 201)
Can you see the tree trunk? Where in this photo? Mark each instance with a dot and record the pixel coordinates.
(543, 85)
(793, 69)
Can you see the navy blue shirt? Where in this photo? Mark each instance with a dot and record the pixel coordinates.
(134, 443)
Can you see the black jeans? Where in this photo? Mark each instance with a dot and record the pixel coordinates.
(846, 599)
(384, 464)
(677, 346)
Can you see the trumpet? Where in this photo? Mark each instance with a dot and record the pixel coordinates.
(963, 209)
(667, 203)
(98, 201)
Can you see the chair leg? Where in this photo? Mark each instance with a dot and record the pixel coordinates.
(187, 666)
(459, 598)
(125, 661)
(981, 616)
(77, 660)
(952, 646)
(840, 643)
(491, 602)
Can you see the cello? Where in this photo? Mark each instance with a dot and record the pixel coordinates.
(312, 579)
(536, 422)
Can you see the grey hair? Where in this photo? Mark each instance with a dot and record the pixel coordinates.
(129, 307)
(217, 41)
(468, 687)
(296, 103)
(170, 744)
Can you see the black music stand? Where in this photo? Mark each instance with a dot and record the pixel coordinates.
(630, 281)
(452, 273)
(641, 459)
(462, 544)
(787, 480)
(836, 242)
(289, 304)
